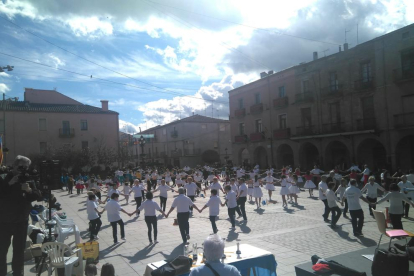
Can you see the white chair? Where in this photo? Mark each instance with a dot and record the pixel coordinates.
(56, 254)
(66, 228)
(392, 234)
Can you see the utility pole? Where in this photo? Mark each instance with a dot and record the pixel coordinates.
(357, 34)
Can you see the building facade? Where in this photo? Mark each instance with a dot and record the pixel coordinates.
(191, 141)
(355, 106)
(46, 120)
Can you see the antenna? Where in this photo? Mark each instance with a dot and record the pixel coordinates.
(324, 52)
(346, 31)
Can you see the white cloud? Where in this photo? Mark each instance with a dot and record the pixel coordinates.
(4, 88)
(57, 61)
(90, 26)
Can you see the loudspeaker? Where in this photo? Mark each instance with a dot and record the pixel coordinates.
(50, 175)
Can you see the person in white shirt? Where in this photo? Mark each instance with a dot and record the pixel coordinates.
(322, 190)
(231, 201)
(183, 204)
(365, 174)
(341, 191)
(191, 189)
(137, 189)
(405, 184)
(270, 185)
(372, 192)
(396, 205)
(316, 172)
(112, 190)
(353, 195)
(216, 186)
(164, 188)
(241, 200)
(332, 199)
(127, 190)
(410, 176)
(113, 208)
(214, 205)
(93, 216)
(354, 168)
(150, 207)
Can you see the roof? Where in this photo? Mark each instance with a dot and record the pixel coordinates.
(191, 119)
(24, 106)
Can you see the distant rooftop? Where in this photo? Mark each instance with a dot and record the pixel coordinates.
(191, 119)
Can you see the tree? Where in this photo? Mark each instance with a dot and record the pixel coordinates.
(104, 155)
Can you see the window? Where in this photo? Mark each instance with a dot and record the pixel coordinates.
(405, 35)
(42, 124)
(282, 121)
(306, 117)
(257, 98)
(258, 125)
(1, 125)
(66, 128)
(407, 61)
(241, 128)
(335, 113)
(85, 145)
(366, 71)
(204, 126)
(282, 92)
(305, 86)
(222, 127)
(241, 104)
(333, 81)
(43, 147)
(84, 125)
(164, 132)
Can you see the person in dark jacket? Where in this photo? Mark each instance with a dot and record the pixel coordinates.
(16, 197)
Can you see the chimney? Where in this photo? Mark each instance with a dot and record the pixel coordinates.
(345, 46)
(315, 55)
(104, 105)
(340, 49)
(263, 75)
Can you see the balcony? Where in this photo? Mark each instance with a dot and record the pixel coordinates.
(176, 153)
(404, 120)
(332, 91)
(239, 113)
(188, 152)
(333, 127)
(281, 133)
(304, 97)
(174, 134)
(240, 139)
(366, 124)
(162, 154)
(305, 130)
(256, 108)
(257, 137)
(403, 75)
(66, 132)
(364, 84)
(281, 102)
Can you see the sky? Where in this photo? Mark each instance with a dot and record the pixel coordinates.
(157, 61)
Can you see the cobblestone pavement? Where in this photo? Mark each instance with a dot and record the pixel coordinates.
(292, 235)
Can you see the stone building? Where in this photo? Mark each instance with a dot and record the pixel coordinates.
(191, 141)
(355, 106)
(47, 119)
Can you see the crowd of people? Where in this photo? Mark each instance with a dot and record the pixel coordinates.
(238, 184)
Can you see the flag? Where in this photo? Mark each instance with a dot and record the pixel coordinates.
(1, 149)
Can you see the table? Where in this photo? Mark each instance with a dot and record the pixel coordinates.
(253, 261)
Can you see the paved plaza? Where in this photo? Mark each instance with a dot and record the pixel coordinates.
(293, 235)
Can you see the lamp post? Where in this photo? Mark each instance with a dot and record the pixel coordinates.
(142, 144)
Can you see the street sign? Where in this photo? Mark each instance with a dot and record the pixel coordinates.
(145, 136)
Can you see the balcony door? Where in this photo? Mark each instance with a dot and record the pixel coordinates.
(306, 118)
(66, 128)
(368, 112)
(335, 113)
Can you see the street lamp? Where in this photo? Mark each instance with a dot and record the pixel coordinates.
(142, 144)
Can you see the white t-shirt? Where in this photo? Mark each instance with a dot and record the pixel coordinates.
(234, 187)
(231, 199)
(366, 171)
(407, 184)
(215, 186)
(182, 203)
(331, 198)
(163, 190)
(352, 195)
(214, 205)
(90, 209)
(396, 202)
(243, 190)
(341, 191)
(316, 171)
(127, 188)
(372, 190)
(191, 188)
(113, 208)
(137, 190)
(112, 191)
(324, 187)
(150, 207)
(269, 179)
